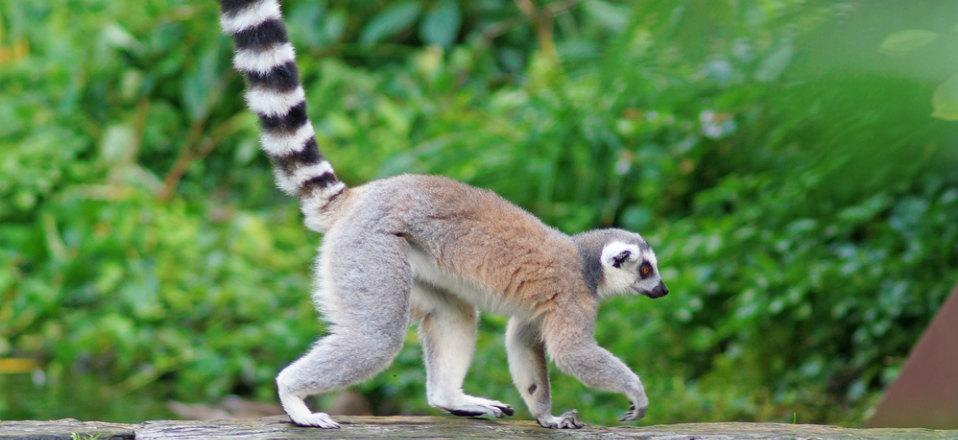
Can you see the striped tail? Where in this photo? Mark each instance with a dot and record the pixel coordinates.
(265, 57)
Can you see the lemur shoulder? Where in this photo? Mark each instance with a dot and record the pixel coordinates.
(431, 250)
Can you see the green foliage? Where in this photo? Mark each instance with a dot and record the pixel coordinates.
(791, 162)
(441, 24)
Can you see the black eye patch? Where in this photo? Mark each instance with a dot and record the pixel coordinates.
(619, 260)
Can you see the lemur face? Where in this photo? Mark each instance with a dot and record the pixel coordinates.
(629, 267)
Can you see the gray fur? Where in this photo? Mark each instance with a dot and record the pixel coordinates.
(433, 250)
(400, 245)
(366, 304)
(527, 364)
(597, 368)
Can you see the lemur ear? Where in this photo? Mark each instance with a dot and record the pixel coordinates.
(619, 260)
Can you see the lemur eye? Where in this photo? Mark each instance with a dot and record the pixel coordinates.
(645, 269)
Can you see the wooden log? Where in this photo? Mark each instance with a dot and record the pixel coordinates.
(439, 427)
(67, 429)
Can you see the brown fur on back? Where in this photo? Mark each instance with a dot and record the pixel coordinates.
(479, 236)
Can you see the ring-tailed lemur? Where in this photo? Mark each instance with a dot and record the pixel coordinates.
(433, 250)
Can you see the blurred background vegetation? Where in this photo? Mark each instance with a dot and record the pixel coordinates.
(794, 163)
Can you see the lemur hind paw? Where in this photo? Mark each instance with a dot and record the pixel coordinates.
(316, 420)
(469, 406)
(475, 411)
(505, 408)
(568, 420)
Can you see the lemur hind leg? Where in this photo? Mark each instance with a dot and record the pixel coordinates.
(448, 333)
(366, 281)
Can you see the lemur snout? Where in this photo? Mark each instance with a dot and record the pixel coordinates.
(659, 291)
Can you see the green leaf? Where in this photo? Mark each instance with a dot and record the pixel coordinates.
(944, 100)
(773, 66)
(903, 42)
(118, 37)
(611, 16)
(116, 146)
(390, 22)
(199, 87)
(335, 25)
(302, 23)
(441, 24)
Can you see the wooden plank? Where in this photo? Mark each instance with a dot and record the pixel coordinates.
(439, 427)
(65, 429)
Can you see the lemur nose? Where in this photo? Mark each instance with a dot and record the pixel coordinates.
(659, 290)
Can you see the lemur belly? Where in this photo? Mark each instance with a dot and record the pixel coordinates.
(425, 270)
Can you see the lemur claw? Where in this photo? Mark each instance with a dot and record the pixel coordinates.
(633, 413)
(568, 420)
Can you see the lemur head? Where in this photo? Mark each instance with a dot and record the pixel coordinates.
(619, 262)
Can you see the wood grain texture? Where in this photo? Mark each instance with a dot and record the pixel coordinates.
(439, 427)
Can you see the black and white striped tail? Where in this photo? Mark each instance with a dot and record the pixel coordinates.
(265, 57)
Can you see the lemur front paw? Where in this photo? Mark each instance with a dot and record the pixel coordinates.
(635, 412)
(568, 420)
(469, 406)
(316, 420)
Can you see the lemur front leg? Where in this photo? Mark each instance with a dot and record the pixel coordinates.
(570, 342)
(448, 333)
(530, 374)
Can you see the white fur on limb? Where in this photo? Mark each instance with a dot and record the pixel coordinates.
(450, 337)
(527, 365)
(448, 333)
(300, 414)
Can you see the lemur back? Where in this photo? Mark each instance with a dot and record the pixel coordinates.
(459, 236)
(431, 249)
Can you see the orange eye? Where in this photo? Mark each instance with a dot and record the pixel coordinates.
(645, 270)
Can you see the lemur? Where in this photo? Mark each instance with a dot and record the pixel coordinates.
(432, 250)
